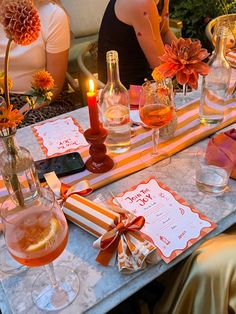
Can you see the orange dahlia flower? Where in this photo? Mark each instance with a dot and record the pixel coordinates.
(20, 20)
(42, 80)
(157, 76)
(184, 59)
(9, 117)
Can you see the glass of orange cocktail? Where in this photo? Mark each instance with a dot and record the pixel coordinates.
(156, 109)
(36, 234)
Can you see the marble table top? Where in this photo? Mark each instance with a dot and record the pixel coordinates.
(102, 288)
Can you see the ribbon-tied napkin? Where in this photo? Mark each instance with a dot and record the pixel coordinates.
(118, 237)
(221, 149)
(133, 248)
(62, 190)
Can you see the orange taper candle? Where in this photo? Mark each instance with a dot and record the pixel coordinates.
(93, 109)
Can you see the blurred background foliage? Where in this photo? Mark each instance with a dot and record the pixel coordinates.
(195, 14)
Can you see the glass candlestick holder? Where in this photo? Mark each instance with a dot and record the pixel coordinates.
(98, 161)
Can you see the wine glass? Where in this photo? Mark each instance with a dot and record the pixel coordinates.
(156, 109)
(7, 264)
(35, 235)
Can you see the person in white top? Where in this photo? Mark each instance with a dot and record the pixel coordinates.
(49, 52)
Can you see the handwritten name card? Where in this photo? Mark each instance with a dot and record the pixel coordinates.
(60, 136)
(172, 223)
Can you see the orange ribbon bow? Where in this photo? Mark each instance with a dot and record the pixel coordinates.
(63, 191)
(108, 243)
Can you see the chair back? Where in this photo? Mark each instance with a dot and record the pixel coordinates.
(209, 31)
(85, 15)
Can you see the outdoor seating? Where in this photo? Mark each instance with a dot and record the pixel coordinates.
(209, 31)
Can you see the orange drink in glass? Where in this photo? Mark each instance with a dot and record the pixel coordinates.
(156, 109)
(36, 233)
(41, 238)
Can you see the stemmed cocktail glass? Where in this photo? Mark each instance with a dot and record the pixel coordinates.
(36, 234)
(156, 109)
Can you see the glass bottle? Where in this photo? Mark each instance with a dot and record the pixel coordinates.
(18, 169)
(216, 84)
(115, 109)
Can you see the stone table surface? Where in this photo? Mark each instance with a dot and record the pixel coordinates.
(102, 288)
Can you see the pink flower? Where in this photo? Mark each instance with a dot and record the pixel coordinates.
(184, 59)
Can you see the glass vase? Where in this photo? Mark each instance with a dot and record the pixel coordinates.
(18, 169)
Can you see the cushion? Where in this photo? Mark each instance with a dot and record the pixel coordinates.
(85, 15)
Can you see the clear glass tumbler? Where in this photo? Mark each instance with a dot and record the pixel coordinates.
(211, 177)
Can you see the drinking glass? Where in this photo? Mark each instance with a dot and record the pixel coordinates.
(156, 109)
(36, 234)
(211, 176)
(7, 264)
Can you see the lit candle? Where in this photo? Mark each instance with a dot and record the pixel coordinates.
(93, 109)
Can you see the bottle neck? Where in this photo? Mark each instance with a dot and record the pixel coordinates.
(220, 46)
(221, 39)
(113, 74)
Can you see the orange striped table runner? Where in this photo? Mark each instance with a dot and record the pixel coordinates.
(189, 131)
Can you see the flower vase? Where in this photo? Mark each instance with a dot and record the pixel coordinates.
(18, 169)
(168, 131)
(182, 97)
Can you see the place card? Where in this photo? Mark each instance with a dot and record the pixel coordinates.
(172, 223)
(59, 136)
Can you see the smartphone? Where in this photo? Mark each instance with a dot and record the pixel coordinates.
(63, 165)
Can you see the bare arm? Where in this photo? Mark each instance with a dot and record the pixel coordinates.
(57, 67)
(167, 35)
(151, 33)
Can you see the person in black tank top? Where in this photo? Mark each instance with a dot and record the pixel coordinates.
(134, 42)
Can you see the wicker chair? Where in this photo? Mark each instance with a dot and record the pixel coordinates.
(209, 30)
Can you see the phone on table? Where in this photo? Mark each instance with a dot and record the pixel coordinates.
(62, 165)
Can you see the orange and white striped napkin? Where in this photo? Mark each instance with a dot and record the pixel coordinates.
(119, 235)
(133, 249)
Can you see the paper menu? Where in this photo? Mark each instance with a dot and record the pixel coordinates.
(172, 223)
(59, 136)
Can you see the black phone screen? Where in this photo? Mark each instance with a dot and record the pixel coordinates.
(62, 165)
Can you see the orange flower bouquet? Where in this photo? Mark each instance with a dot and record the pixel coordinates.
(183, 59)
(21, 24)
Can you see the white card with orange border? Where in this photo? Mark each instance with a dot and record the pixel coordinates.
(59, 136)
(172, 223)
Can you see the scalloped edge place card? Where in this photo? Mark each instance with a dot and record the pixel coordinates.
(172, 223)
(60, 136)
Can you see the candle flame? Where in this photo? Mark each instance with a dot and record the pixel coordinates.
(91, 86)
